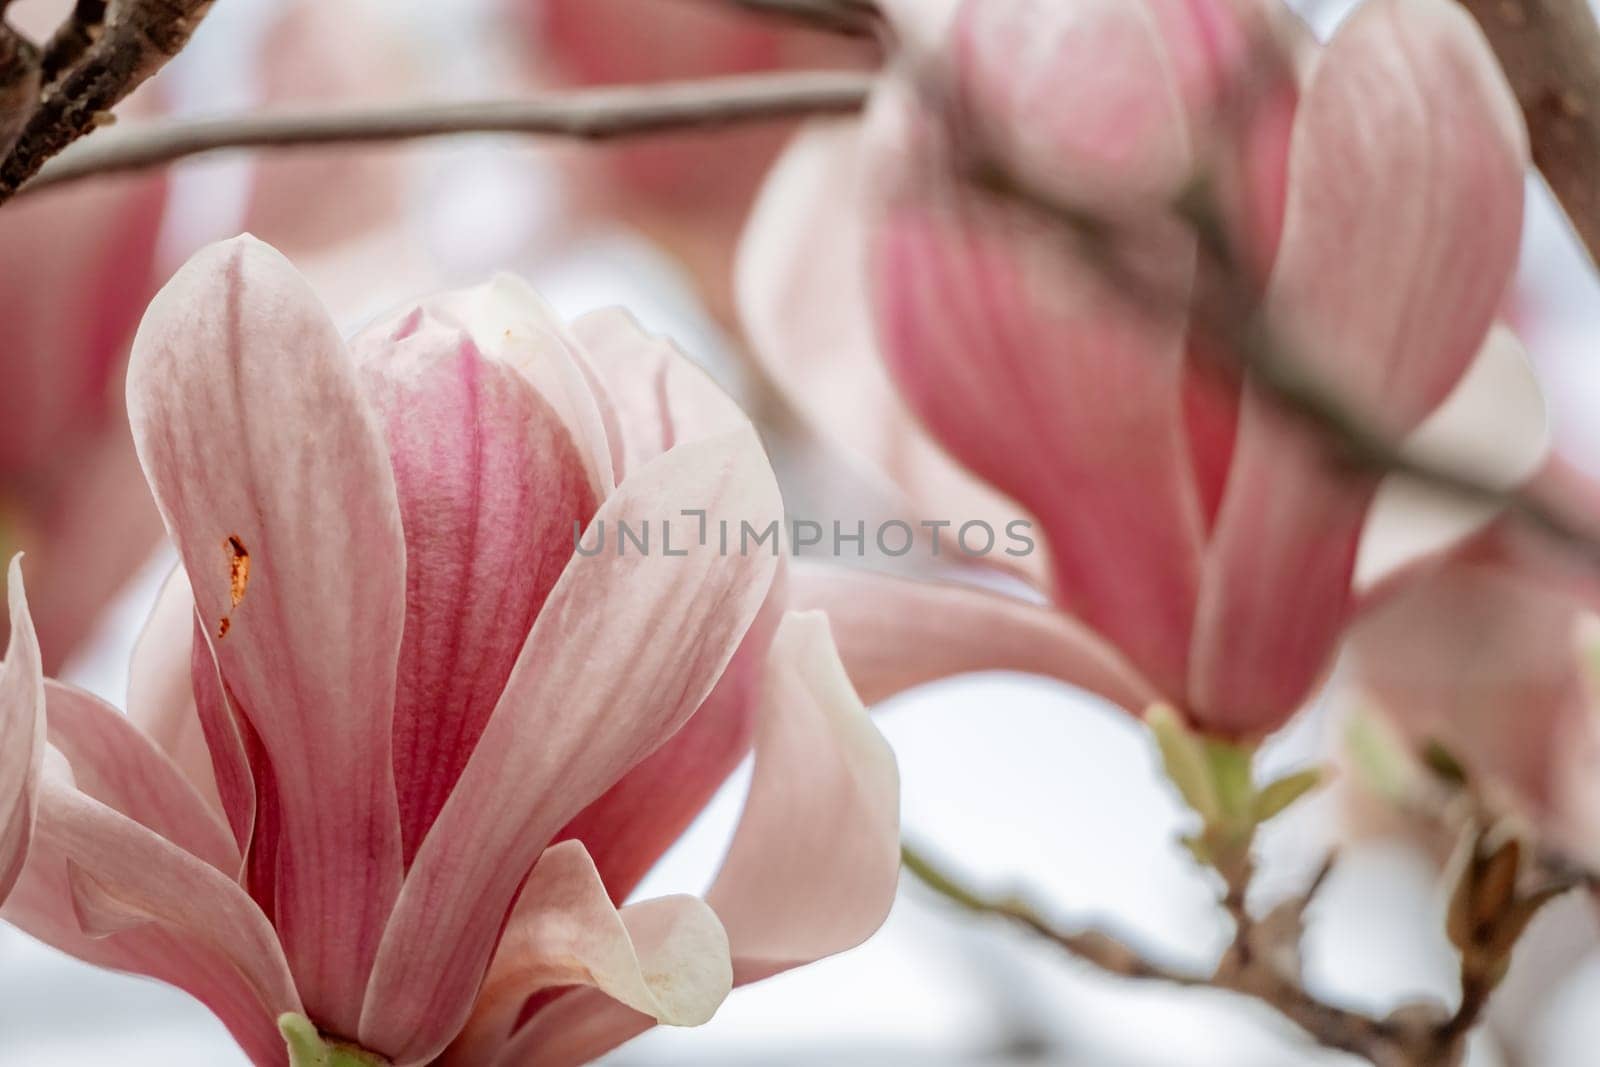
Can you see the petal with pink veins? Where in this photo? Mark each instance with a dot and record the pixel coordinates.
(626, 648)
(491, 490)
(273, 479)
(1038, 374)
(804, 248)
(43, 905)
(512, 324)
(1405, 205)
(116, 764)
(128, 875)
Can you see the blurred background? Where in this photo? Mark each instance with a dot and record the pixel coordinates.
(1022, 783)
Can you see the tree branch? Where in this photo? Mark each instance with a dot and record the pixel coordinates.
(1250, 967)
(141, 39)
(588, 114)
(1550, 51)
(74, 38)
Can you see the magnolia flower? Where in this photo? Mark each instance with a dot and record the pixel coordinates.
(1203, 549)
(76, 267)
(689, 192)
(396, 752)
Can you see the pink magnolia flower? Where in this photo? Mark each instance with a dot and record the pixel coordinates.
(396, 751)
(76, 267)
(1200, 540)
(688, 192)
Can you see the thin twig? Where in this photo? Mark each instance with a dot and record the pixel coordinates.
(1550, 51)
(1108, 953)
(587, 114)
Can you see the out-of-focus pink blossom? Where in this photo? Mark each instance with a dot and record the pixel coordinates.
(688, 192)
(76, 267)
(1199, 534)
(396, 752)
(321, 53)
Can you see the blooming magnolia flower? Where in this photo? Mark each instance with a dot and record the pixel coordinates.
(690, 192)
(395, 751)
(76, 267)
(1197, 533)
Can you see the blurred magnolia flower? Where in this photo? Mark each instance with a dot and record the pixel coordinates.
(320, 53)
(1491, 653)
(1203, 547)
(396, 752)
(76, 267)
(688, 192)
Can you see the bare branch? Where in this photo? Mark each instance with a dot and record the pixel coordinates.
(588, 114)
(74, 38)
(1246, 969)
(19, 83)
(1550, 51)
(143, 37)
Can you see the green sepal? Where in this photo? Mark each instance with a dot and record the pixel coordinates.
(308, 1048)
(1277, 797)
(1188, 765)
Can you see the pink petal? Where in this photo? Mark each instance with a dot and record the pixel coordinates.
(629, 827)
(245, 783)
(660, 396)
(625, 650)
(491, 488)
(666, 959)
(1405, 204)
(512, 324)
(22, 733)
(43, 906)
(251, 426)
(895, 633)
(118, 766)
(1035, 372)
(665, 400)
(814, 863)
(1479, 659)
(804, 248)
(161, 688)
(129, 876)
